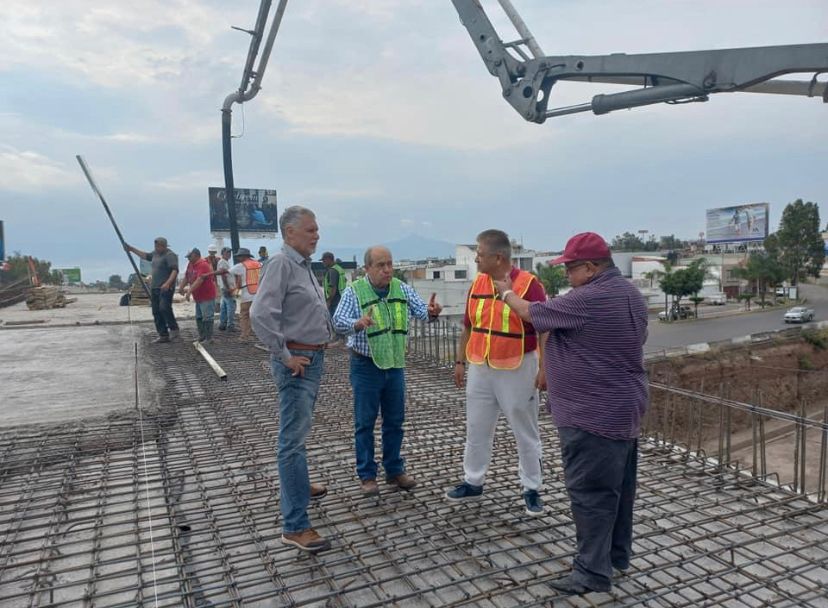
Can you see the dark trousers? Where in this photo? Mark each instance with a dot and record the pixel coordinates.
(377, 391)
(600, 479)
(162, 311)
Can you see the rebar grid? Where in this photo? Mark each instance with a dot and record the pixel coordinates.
(75, 507)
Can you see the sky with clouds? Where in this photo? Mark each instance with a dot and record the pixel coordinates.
(381, 117)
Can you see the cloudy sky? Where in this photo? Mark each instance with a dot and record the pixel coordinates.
(381, 117)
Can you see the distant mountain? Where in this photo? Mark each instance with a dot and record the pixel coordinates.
(411, 247)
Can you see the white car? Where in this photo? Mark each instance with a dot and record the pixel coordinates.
(799, 314)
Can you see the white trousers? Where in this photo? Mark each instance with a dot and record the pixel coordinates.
(490, 392)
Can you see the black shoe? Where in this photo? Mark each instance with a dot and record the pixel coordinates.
(222, 327)
(161, 340)
(566, 586)
(534, 504)
(465, 491)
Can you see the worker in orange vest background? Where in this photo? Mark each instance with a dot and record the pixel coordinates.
(247, 273)
(504, 374)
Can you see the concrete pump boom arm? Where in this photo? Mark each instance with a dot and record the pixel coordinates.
(527, 78)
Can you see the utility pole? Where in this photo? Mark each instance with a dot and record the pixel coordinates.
(251, 84)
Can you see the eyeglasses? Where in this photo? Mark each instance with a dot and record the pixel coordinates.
(570, 267)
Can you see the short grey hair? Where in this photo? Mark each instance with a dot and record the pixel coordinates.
(292, 215)
(497, 241)
(161, 240)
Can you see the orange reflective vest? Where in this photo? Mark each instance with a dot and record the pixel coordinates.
(497, 333)
(251, 275)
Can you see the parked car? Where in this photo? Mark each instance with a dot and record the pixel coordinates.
(676, 312)
(781, 292)
(799, 314)
(717, 299)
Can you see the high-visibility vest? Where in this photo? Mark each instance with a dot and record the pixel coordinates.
(341, 285)
(497, 333)
(387, 336)
(251, 275)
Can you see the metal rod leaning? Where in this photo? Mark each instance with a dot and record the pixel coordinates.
(97, 191)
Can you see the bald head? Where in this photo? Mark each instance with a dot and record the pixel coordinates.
(379, 266)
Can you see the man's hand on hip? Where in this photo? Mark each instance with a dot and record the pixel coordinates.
(297, 365)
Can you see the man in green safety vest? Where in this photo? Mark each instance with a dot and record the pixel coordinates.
(334, 281)
(374, 313)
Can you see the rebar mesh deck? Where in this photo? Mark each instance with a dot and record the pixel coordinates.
(91, 516)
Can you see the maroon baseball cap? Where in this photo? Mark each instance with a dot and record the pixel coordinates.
(584, 246)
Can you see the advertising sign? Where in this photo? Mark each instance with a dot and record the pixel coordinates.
(2, 243)
(70, 275)
(256, 212)
(738, 224)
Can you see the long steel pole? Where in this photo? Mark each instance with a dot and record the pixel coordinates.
(97, 191)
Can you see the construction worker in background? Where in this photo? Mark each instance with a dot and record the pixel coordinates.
(505, 373)
(164, 274)
(262, 254)
(334, 281)
(202, 288)
(374, 314)
(227, 284)
(212, 250)
(246, 273)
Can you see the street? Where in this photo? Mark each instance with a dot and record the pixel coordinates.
(681, 333)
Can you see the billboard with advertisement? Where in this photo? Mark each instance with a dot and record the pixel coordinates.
(738, 224)
(70, 275)
(256, 212)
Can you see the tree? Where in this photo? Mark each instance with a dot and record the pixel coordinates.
(19, 269)
(652, 275)
(683, 282)
(798, 241)
(553, 278)
(763, 270)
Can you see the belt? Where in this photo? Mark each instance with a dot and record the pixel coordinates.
(300, 346)
(360, 355)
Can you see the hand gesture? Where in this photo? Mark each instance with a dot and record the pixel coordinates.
(459, 376)
(297, 365)
(365, 321)
(126, 247)
(434, 309)
(502, 285)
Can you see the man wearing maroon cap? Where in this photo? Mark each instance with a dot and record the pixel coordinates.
(597, 387)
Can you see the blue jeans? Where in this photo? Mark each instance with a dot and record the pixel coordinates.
(600, 479)
(205, 312)
(377, 391)
(297, 398)
(227, 315)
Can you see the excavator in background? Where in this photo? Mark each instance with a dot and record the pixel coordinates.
(527, 75)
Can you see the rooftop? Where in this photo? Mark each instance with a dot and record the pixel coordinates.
(169, 498)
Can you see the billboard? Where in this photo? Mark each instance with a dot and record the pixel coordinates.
(738, 224)
(256, 211)
(2, 243)
(70, 275)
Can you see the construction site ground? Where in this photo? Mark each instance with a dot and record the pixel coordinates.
(171, 499)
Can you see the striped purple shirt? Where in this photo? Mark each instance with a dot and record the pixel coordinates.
(594, 357)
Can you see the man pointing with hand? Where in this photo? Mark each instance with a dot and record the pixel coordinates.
(289, 315)
(374, 313)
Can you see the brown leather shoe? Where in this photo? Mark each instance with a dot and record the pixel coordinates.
(403, 481)
(306, 540)
(369, 487)
(317, 491)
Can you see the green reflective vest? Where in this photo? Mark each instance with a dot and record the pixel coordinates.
(387, 336)
(343, 281)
